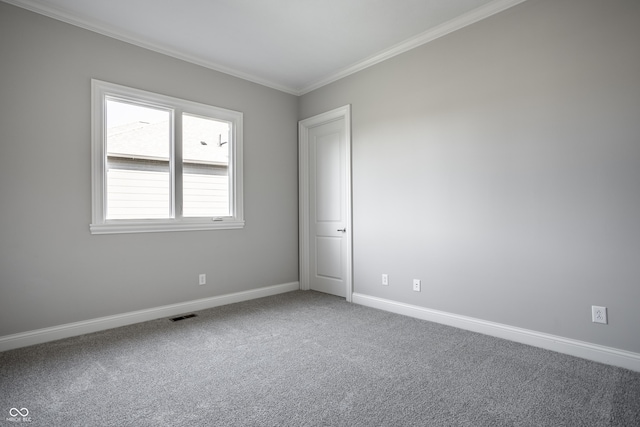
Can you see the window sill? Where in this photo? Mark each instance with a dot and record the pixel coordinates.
(152, 226)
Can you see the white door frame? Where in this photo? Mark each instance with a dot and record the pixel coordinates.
(303, 184)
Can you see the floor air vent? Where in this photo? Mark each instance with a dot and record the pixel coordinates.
(186, 316)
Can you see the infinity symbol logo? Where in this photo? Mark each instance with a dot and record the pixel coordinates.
(15, 412)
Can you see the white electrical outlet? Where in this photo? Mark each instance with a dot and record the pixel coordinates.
(416, 285)
(598, 314)
(202, 279)
(385, 279)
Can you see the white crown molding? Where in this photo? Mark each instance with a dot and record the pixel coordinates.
(597, 353)
(23, 339)
(462, 21)
(124, 36)
(441, 30)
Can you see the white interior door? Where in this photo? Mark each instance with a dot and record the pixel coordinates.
(325, 203)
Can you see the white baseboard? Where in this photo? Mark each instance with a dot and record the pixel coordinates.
(39, 336)
(585, 350)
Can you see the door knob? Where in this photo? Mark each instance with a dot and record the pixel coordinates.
(342, 229)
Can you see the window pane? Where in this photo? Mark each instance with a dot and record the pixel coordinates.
(138, 161)
(205, 167)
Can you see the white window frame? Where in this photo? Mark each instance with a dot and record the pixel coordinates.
(100, 90)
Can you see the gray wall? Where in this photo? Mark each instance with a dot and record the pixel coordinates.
(52, 270)
(501, 165)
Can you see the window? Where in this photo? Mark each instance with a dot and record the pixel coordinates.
(163, 164)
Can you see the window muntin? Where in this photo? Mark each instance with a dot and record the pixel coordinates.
(162, 164)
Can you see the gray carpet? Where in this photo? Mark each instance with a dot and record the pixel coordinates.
(308, 359)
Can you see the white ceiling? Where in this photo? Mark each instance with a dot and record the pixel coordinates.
(291, 45)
